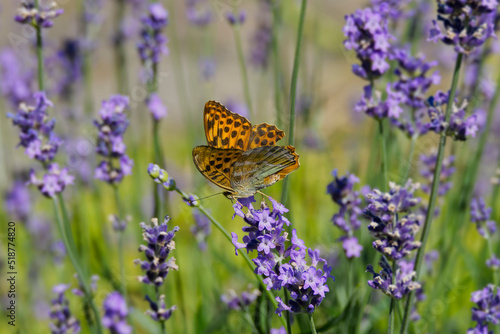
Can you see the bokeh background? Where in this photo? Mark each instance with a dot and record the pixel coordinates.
(202, 65)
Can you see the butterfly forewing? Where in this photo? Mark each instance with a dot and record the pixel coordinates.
(225, 129)
(216, 164)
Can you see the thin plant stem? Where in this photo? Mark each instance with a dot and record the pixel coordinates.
(243, 68)
(287, 314)
(293, 92)
(276, 60)
(121, 236)
(67, 226)
(434, 194)
(228, 237)
(349, 277)
(119, 49)
(491, 252)
(39, 51)
(82, 278)
(410, 158)
(383, 145)
(471, 176)
(311, 324)
(496, 188)
(392, 308)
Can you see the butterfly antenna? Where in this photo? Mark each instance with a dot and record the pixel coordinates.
(199, 199)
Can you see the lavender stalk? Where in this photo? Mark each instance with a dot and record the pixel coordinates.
(434, 193)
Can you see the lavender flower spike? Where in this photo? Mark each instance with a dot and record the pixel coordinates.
(487, 309)
(112, 125)
(480, 215)
(62, 319)
(403, 281)
(235, 302)
(27, 13)
(115, 314)
(153, 42)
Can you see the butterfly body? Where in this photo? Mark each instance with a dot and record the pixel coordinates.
(241, 158)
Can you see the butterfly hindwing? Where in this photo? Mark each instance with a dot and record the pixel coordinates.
(225, 129)
(216, 164)
(263, 166)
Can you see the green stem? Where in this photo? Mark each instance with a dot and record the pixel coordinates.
(410, 158)
(392, 309)
(119, 49)
(121, 236)
(228, 237)
(276, 59)
(67, 226)
(287, 314)
(39, 52)
(349, 277)
(158, 160)
(471, 176)
(82, 278)
(243, 68)
(311, 324)
(383, 145)
(496, 188)
(293, 93)
(434, 194)
(491, 252)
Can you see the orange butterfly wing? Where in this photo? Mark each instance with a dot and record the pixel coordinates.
(225, 129)
(216, 164)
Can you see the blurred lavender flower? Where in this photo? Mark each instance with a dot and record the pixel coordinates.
(413, 82)
(199, 12)
(115, 314)
(237, 303)
(53, 182)
(153, 42)
(93, 286)
(110, 143)
(17, 78)
(480, 215)
(117, 223)
(459, 127)
(347, 218)
(42, 16)
(427, 171)
(58, 251)
(65, 68)
(282, 266)
(17, 201)
(62, 319)
(467, 23)
(395, 9)
(237, 107)
(280, 330)
(36, 128)
(156, 106)
(373, 105)
(493, 262)
(403, 282)
(487, 309)
(201, 229)
(236, 18)
(207, 68)
(159, 244)
(367, 34)
(159, 311)
(262, 37)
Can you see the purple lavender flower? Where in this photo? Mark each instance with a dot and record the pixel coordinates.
(58, 251)
(153, 42)
(459, 127)
(413, 82)
(160, 175)
(373, 105)
(37, 136)
(236, 18)
(199, 12)
(156, 107)
(207, 68)
(65, 68)
(493, 262)
(282, 266)
(427, 171)
(28, 13)
(115, 314)
(262, 37)
(398, 200)
(17, 78)
(201, 230)
(159, 244)
(110, 145)
(347, 218)
(403, 283)
(480, 215)
(237, 303)
(487, 309)
(53, 182)
(159, 311)
(367, 34)
(466, 24)
(280, 330)
(18, 201)
(62, 319)
(395, 9)
(237, 107)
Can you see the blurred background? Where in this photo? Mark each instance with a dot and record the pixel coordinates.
(202, 64)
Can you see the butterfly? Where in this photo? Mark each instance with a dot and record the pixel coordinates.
(241, 158)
